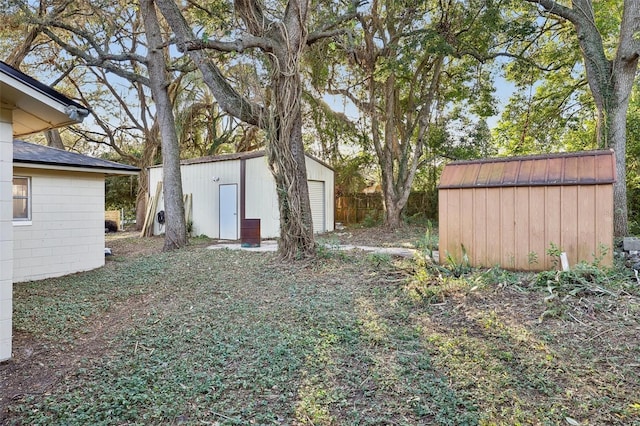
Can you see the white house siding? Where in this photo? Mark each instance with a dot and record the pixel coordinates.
(202, 181)
(6, 231)
(66, 233)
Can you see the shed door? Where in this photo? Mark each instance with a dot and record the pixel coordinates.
(316, 199)
(229, 212)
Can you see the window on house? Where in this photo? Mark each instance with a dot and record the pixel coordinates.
(21, 198)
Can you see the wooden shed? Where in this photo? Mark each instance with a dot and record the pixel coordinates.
(509, 211)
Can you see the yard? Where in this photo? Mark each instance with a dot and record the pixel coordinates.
(226, 337)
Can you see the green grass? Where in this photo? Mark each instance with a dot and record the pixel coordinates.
(223, 337)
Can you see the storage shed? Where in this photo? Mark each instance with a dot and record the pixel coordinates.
(226, 189)
(509, 211)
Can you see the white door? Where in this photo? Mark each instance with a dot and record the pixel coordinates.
(316, 199)
(229, 212)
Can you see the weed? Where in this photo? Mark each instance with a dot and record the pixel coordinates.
(370, 220)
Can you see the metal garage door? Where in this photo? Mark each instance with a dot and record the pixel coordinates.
(316, 199)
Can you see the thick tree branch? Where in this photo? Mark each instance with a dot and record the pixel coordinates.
(332, 29)
(228, 98)
(239, 45)
(557, 9)
(93, 61)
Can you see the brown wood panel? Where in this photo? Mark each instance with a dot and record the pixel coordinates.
(494, 226)
(604, 221)
(453, 228)
(467, 211)
(443, 220)
(569, 219)
(537, 225)
(553, 205)
(507, 226)
(522, 226)
(586, 242)
(478, 252)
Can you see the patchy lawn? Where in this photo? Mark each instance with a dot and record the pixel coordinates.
(223, 337)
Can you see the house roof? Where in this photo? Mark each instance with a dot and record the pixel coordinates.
(36, 106)
(45, 157)
(574, 168)
(235, 156)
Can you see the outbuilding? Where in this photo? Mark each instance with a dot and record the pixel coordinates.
(510, 211)
(227, 189)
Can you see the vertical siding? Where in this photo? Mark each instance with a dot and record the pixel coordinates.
(507, 209)
(261, 197)
(494, 228)
(261, 200)
(521, 231)
(538, 223)
(198, 180)
(569, 222)
(319, 172)
(604, 221)
(553, 229)
(6, 232)
(66, 233)
(509, 226)
(480, 226)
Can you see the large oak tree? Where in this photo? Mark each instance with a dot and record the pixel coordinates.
(279, 34)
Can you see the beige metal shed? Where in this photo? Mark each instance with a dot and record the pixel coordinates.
(508, 211)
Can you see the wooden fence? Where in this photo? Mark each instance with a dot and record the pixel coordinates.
(113, 215)
(357, 208)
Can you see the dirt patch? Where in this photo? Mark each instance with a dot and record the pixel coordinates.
(37, 364)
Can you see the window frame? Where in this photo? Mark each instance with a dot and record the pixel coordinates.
(23, 220)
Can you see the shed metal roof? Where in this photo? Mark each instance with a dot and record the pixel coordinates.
(574, 168)
(26, 153)
(235, 156)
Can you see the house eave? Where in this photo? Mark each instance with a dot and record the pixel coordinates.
(36, 107)
(68, 168)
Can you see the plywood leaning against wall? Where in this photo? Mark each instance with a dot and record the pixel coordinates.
(510, 211)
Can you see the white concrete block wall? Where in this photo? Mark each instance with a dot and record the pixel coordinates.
(6, 232)
(66, 232)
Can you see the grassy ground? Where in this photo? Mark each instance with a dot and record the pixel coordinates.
(222, 337)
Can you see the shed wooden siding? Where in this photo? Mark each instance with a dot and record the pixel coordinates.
(504, 214)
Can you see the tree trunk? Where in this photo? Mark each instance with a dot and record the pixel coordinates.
(286, 154)
(284, 42)
(175, 228)
(53, 139)
(610, 82)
